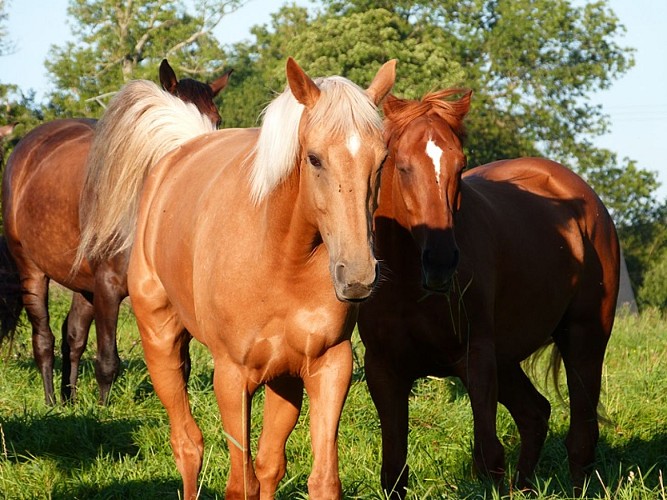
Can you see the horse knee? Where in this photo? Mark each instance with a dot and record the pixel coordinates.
(270, 471)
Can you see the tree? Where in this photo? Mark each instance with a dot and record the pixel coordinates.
(118, 41)
(532, 64)
(353, 45)
(15, 107)
(6, 45)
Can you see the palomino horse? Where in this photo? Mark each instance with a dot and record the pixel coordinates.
(257, 242)
(483, 269)
(42, 186)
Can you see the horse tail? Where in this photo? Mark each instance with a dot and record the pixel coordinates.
(11, 302)
(141, 124)
(554, 366)
(535, 367)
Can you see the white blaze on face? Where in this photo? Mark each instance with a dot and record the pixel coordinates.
(353, 144)
(434, 153)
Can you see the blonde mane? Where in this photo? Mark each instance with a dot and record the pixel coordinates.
(343, 107)
(141, 124)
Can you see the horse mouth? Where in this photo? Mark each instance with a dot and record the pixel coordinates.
(438, 282)
(442, 289)
(354, 293)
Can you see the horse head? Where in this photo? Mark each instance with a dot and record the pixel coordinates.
(338, 150)
(198, 93)
(426, 159)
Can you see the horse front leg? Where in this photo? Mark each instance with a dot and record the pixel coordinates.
(75, 331)
(110, 290)
(281, 413)
(390, 392)
(327, 383)
(480, 378)
(230, 383)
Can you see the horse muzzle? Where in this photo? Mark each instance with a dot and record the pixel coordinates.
(354, 285)
(438, 270)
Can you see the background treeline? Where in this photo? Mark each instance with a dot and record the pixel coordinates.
(533, 66)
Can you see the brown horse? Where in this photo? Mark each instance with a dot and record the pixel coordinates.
(257, 242)
(483, 269)
(42, 187)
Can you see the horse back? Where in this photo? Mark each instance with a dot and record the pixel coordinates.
(556, 247)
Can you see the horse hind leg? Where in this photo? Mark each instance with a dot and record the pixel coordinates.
(75, 331)
(530, 411)
(110, 290)
(582, 342)
(35, 289)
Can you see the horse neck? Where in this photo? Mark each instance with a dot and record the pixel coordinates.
(288, 230)
(392, 233)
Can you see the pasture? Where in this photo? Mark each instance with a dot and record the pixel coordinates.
(122, 451)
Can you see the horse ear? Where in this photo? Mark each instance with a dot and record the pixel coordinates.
(302, 86)
(383, 82)
(462, 106)
(6, 130)
(220, 83)
(168, 77)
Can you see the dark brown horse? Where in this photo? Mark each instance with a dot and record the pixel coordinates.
(42, 186)
(483, 269)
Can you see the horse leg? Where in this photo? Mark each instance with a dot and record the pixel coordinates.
(281, 413)
(390, 393)
(75, 331)
(327, 383)
(35, 290)
(582, 344)
(162, 337)
(234, 397)
(110, 290)
(481, 380)
(530, 410)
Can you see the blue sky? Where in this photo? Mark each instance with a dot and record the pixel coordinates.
(636, 104)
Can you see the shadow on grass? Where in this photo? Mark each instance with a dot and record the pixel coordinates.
(70, 440)
(636, 460)
(162, 488)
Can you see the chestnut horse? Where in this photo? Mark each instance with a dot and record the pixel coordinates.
(257, 242)
(483, 269)
(42, 187)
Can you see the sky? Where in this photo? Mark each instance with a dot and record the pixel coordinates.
(635, 103)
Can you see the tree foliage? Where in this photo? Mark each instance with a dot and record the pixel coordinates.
(6, 44)
(118, 41)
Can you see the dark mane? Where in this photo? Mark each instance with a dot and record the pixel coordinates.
(399, 113)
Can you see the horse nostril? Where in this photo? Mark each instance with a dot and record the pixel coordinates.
(340, 272)
(455, 258)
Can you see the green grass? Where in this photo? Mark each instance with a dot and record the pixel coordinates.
(122, 450)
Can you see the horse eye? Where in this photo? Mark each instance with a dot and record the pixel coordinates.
(314, 161)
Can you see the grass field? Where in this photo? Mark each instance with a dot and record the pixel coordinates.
(122, 451)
